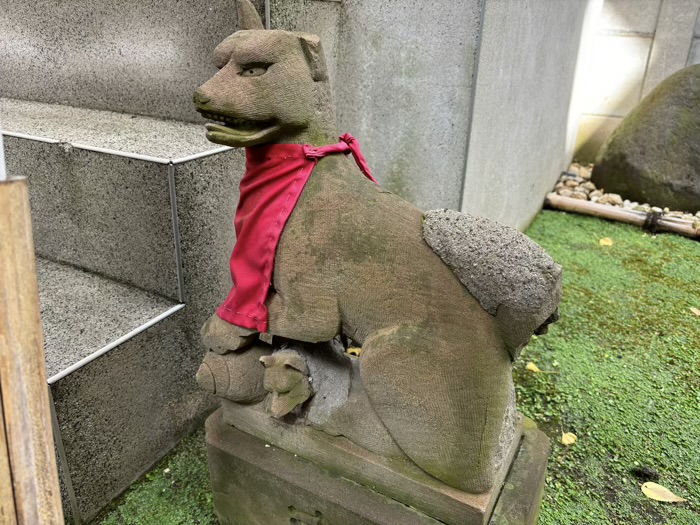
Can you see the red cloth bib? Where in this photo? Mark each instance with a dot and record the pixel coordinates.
(274, 178)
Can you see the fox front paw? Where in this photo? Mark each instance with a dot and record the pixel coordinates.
(222, 337)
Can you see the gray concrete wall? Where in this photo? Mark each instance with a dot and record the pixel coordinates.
(404, 88)
(402, 77)
(404, 84)
(638, 44)
(518, 139)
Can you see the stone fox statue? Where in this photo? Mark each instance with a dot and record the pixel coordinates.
(440, 303)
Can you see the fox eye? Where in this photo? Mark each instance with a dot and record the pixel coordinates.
(254, 70)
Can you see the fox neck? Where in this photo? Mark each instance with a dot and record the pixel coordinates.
(322, 129)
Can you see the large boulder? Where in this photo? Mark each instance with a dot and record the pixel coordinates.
(654, 155)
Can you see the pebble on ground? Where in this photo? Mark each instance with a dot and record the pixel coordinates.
(576, 184)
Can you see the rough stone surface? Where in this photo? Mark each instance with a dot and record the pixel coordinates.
(254, 484)
(424, 55)
(287, 380)
(502, 268)
(93, 55)
(373, 49)
(104, 213)
(654, 155)
(512, 422)
(82, 312)
(237, 376)
(340, 405)
(331, 374)
(395, 478)
(258, 484)
(519, 503)
(122, 412)
(207, 194)
(166, 139)
(144, 58)
(352, 261)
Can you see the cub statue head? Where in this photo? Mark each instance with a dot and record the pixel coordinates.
(272, 86)
(287, 378)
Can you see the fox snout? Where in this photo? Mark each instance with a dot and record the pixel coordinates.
(199, 98)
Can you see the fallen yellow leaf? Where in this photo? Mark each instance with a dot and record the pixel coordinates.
(353, 350)
(606, 241)
(568, 438)
(532, 367)
(696, 311)
(656, 492)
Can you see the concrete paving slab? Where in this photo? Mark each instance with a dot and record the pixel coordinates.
(82, 313)
(121, 132)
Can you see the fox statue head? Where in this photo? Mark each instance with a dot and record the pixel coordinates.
(272, 86)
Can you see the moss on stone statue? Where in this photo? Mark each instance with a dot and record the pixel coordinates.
(626, 352)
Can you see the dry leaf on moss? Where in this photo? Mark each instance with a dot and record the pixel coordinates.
(606, 241)
(532, 367)
(659, 493)
(696, 311)
(568, 438)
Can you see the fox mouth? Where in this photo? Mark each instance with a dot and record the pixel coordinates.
(230, 130)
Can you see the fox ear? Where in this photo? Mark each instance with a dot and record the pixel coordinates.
(248, 17)
(311, 45)
(296, 362)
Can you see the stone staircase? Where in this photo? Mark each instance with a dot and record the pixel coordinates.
(131, 212)
(115, 197)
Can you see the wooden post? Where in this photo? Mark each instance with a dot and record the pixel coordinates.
(26, 443)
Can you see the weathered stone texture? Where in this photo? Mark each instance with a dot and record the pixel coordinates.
(511, 276)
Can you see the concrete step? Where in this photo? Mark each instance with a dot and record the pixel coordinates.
(102, 187)
(122, 351)
(85, 315)
(121, 377)
(144, 58)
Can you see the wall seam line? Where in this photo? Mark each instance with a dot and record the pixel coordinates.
(472, 104)
(642, 87)
(177, 240)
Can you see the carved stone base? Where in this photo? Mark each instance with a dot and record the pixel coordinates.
(257, 484)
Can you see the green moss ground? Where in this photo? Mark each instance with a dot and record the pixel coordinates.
(626, 353)
(176, 492)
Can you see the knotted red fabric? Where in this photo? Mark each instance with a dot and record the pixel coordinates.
(274, 178)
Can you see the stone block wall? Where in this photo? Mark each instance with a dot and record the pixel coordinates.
(638, 44)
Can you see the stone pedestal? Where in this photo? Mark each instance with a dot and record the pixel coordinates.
(257, 484)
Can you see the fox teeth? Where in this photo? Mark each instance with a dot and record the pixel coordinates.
(225, 119)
